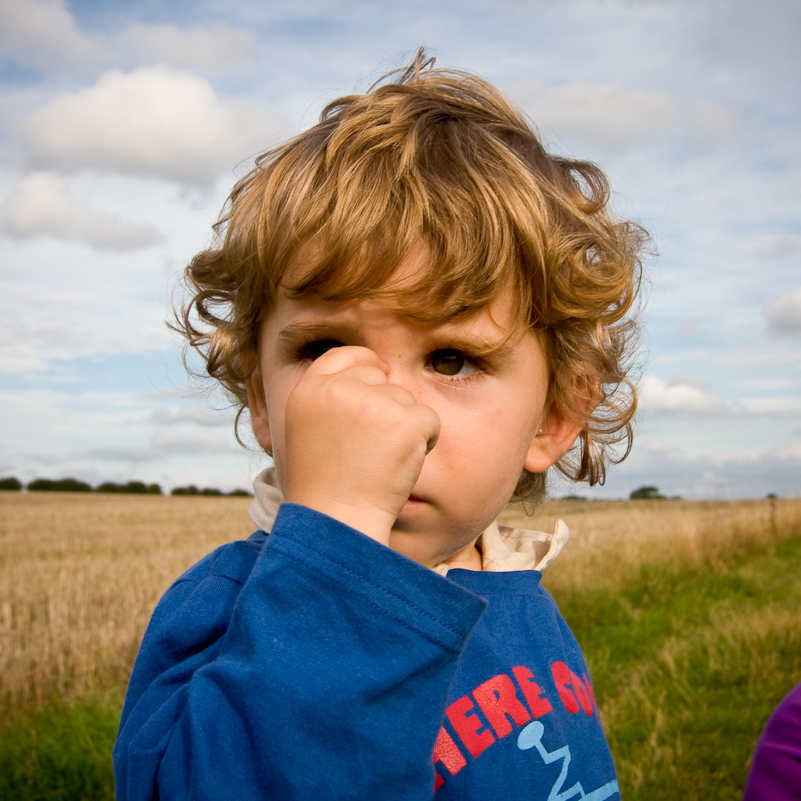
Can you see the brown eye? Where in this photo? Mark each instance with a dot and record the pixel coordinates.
(313, 350)
(448, 362)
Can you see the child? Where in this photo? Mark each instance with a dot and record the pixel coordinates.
(422, 311)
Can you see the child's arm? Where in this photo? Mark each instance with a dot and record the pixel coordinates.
(318, 667)
(323, 676)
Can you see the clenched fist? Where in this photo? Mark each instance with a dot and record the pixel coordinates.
(355, 444)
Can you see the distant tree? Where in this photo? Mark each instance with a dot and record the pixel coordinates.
(209, 492)
(646, 494)
(574, 498)
(10, 483)
(131, 488)
(58, 485)
(190, 490)
(771, 495)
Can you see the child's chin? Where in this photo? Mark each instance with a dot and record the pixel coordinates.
(412, 516)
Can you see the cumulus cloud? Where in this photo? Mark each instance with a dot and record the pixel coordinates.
(218, 45)
(716, 121)
(784, 314)
(773, 246)
(615, 116)
(190, 415)
(84, 307)
(99, 436)
(162, 446)
(153, 121)
(606, 113)
(683, 395)
(741, 473)
(42, 33)
(42, 206)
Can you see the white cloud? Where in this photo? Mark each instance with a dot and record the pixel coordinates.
(218, 45)
(614, 116)
(774, 405)
(42, 33)
(154, 121)
(162, 446)
(682, 395)
(85, 311)
(784, 314)
(725, 473)
(42, 205)
(192, 416)
(716, 121)
(606, 113)
(773, 246)
(98, 436)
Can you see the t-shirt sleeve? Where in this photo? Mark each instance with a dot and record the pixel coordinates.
(321, 672)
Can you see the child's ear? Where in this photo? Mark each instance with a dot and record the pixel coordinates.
(552, 441)
(259, 418)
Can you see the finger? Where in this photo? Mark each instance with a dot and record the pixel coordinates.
(361, 374)
(399, 394)
(338, 359)
(429, 424)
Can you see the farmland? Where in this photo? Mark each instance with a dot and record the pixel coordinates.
(689, 614)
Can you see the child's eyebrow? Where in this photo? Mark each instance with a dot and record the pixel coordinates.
(479, 344)
(329, 329)
(443, 335)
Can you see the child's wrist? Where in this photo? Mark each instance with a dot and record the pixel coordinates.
(369, 520)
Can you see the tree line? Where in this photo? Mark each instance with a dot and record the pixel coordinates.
(11, 483)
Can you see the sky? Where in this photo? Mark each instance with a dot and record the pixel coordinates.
(123, 126)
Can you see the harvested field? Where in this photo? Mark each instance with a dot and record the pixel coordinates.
(80, 576)
(610, 540)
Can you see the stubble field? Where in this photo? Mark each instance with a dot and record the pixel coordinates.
(689, 614)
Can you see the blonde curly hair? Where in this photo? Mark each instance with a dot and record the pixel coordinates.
(440, 159)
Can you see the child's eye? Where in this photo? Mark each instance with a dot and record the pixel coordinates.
(316, 348)
(451, 363)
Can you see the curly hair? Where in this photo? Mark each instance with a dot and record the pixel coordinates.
(439, 159)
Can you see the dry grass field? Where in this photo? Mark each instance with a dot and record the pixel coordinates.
(80, 574)
(611, 540)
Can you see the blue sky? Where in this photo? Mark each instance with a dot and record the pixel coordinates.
(124, 125)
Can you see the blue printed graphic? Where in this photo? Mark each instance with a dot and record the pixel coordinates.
(531, 737)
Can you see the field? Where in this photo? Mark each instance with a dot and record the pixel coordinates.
(689, 615)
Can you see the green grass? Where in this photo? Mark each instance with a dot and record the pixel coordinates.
(687, 666)
(59, 753)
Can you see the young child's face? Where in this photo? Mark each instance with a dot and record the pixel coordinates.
(340, 385)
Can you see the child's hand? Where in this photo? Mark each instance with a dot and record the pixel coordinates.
(355, 444)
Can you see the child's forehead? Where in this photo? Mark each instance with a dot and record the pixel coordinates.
(413, 283)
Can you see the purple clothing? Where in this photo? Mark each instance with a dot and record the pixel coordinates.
(776, 770)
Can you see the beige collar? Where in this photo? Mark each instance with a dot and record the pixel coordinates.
(502, 548)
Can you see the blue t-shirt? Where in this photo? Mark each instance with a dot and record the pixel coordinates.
(316, 663)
